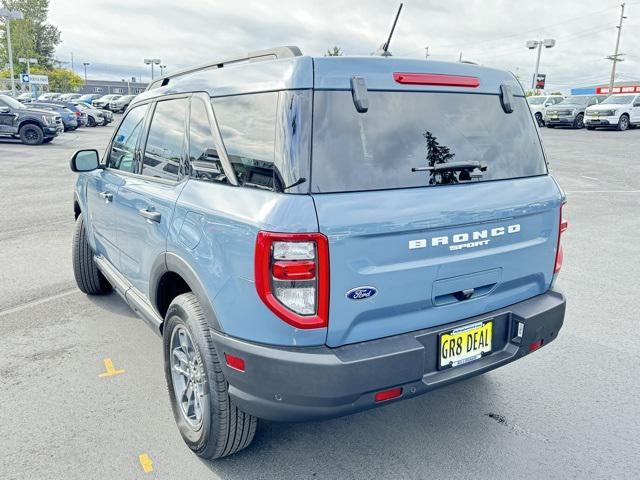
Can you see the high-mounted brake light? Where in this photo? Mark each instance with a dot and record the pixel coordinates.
(292, 277)
(436, 79)
(564, 224)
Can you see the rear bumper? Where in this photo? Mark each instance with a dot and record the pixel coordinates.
(297, 384)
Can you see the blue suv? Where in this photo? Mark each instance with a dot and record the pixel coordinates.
(313, 237)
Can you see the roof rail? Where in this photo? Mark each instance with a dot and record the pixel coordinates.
(257, 56)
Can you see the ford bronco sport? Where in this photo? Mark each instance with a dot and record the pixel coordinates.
(314, 237)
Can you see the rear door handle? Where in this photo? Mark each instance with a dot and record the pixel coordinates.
(107, 196)
(150, 215)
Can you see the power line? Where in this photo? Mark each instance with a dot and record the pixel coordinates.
(522, 32)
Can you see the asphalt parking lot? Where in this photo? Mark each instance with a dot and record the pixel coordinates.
(571, 410)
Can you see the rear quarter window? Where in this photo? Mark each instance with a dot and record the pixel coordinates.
(376, 150)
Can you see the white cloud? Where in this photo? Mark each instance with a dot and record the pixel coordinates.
(116, 35)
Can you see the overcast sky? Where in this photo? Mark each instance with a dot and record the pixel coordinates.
(116, 35)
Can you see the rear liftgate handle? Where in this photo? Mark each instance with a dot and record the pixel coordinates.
(150, 215)
(464, 294)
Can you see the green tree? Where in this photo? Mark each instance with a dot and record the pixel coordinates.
(335, 51)
(60, 79)
(32, 36)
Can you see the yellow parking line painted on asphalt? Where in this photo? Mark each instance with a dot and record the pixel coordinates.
(146, 463)
(111, 371)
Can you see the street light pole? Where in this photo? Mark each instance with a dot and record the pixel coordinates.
(533, 44)
(152, 62)
(162, 68)
(29, 61)
(85, 64)
(9, 15)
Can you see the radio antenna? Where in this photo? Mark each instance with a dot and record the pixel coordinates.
(383, 50)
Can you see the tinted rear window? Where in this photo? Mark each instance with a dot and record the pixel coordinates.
(376, 150)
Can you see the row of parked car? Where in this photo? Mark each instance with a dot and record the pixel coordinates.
(619, 111)
(112, 102)
(37, 121)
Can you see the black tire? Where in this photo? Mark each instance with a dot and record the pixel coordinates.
(223, 429)
(91, 122)
(104, 123)
(31, 134)
(623, 123)
(578, 123)
(88, 278)
(539, 119)
(47, 140)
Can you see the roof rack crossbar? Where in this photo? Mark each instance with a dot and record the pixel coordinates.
(259, 55)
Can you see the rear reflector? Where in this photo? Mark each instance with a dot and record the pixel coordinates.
(388, 394)
(535, 345)
(234, 362)
(436, 79)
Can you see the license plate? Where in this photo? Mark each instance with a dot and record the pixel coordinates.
(553, 117)
(465, 344)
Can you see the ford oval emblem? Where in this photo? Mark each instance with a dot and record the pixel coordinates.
(361, 293)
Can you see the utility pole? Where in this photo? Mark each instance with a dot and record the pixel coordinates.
(460, 57)
(426, 52)
(615, 58)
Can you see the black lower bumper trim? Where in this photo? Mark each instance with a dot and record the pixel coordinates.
(297, 384)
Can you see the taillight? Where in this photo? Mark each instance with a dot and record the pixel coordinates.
(78, 114)
(292, 277)
(559, 252)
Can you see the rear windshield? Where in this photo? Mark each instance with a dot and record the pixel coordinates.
(403, 130)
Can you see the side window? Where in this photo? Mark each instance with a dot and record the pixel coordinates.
(122, 153)
(203, 156)
(593, 101)
(165, 143)
(247, 124)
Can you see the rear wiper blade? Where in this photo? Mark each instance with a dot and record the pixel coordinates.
(453, 167)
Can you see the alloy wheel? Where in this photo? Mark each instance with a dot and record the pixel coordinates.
(187, 374)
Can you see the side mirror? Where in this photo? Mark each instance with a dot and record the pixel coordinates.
(4, 109)
(85, 161)
(548, 104)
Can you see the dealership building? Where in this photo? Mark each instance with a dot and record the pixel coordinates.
(619, 87)
(105, 87)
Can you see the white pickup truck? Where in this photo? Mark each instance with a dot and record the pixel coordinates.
(538, 105)
(619, 111)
